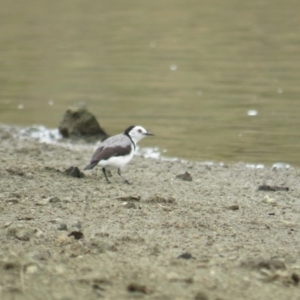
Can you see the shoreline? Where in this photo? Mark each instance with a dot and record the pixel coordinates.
(42, 134)
(215, 237)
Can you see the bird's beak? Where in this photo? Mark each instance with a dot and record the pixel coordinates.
(148, 133)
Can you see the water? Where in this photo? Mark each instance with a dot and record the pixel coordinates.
(213, 80)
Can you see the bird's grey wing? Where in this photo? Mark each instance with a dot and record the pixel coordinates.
(118, 145)
(117, 140)
(94, 160)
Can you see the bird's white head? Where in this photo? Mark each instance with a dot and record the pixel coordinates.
(137, 133)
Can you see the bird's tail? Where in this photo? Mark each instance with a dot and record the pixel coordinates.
(92, 165)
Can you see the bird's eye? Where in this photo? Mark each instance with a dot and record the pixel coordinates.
(140, 131)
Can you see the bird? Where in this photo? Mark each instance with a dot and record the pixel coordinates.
(118, 150)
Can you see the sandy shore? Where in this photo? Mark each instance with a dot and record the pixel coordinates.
(215, 237)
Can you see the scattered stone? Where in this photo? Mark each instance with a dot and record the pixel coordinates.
(39, 233)
(77, 225)
(16, 195)
(186, 255)
(155, 250)
(64, 240)
(174, 277)
(15, 171)
(130, 205)
(42, 202)
(233, 207)
(31, 269)
(98, 290)
(269, 188)
(136, 287)
(27, 218)
(269, 200)
(101, 245)
(296, 278)
(284, 276)
(79, 122)
(185, 177)
(201, 296)
(56, 221)
(20, 232)
(74, 172)
(161, 199)
(7, 224)
(24, 234)
(62, 226)
(279, 165)
(188, 280)
(76, 234)
(53, 199)
(42, 255)
(5, 135)
(12, 201)
(51, 169)
(129, 198)
(30, 176)
(11, 265)
(11, 232)
(165, 208)
(269, 264)
(288, 223)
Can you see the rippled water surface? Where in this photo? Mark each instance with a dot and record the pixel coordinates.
(215, 80)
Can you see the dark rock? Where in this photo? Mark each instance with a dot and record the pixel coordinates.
(234, 207)
(201, 296)
(136, 287)
(25, 218)
(185, 177)
(295, 277)
(76, 234)
(129, 198)
(53, 199)
(269, 188)
(79, 122)
(74, 172)
(185, 255)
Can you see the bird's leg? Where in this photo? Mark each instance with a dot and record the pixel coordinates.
(119, 173)
(104, 172)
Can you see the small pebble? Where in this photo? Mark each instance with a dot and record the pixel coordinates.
(76, 234)
(234, 207)
(185, 177)
(62, 226)
(136, 287)
(185, 255)
(201, 296)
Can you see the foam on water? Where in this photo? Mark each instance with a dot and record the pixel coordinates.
(43, 134)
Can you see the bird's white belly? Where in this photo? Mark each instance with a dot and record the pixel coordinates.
(116, 161)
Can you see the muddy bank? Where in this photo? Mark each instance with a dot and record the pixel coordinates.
(211, 236)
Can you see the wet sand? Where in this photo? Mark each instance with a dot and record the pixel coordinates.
(215, 237)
